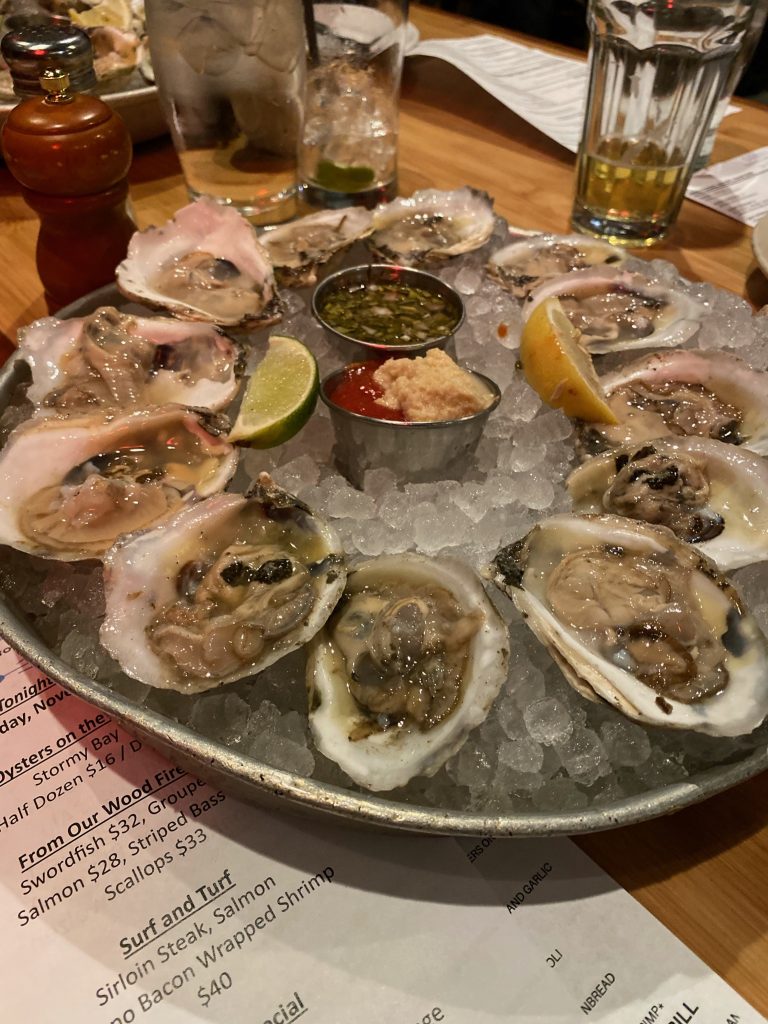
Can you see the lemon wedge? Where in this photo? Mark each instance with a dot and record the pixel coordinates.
(558, 368)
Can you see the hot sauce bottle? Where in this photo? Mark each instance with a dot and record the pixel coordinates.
(71, 154)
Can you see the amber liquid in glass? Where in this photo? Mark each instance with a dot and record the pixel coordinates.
(635, 186)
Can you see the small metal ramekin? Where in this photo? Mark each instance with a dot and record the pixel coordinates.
(414, 451)
(385, 273)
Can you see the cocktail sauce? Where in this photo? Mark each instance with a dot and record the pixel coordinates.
(357, 391)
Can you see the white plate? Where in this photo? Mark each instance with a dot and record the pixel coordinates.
(760, 243)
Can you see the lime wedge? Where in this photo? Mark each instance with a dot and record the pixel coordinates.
(341, 178)
(280, 397)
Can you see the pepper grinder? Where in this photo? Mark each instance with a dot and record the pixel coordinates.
(71, 154)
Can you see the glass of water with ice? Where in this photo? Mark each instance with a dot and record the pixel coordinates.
(348, 147)
(230, 75)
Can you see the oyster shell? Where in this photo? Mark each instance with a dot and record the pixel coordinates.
(408, 665)
(527, 263)
(636, 618)
(432, 225)
(114, 360)
(615, 310)
(221, 591)
(70, 487)
(205, 264)
(297, 249)
(708, 493)
(707, 394)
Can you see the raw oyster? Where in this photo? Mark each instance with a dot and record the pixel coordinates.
(636, 618)
(529, 262)
(220, 591)
(408, 665)
(707, 394)
(111, 359)
(297, 249)
(707, 492)
(204, 264)
(432, 225)
(70, 487)
(615, 310)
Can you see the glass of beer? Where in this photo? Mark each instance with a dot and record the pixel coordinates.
(230, 74)
(657, 71)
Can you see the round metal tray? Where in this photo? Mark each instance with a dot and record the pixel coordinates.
(251, 780)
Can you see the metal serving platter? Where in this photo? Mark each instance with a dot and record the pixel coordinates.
(138, 103)
(253, 781)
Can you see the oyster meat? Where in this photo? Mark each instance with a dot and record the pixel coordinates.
(297, 249)
(637, 618)
(221, 591)
(708, 493)
(114, 360)
(615, 310)
(528, 262)
(432, 225)
(407, 666)
(684, 393)
(70, 487)
(205, 264)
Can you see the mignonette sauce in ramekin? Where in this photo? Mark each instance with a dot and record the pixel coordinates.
(388, 309)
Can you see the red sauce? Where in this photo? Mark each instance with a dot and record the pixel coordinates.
(357, 391)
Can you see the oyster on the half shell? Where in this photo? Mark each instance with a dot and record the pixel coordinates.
(297, 248)
(221, 591)
(683, 393)
(526, 263)
(638, 619)
(432, 225)
(115, 360)
(205, 264)
(708, 493)
(615, 310)
(407, 666)
(70, 487)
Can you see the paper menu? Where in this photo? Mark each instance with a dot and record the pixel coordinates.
(737, 187)
(546, 90)
(131, 891)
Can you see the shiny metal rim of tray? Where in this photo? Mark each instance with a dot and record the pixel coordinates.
(251, 780)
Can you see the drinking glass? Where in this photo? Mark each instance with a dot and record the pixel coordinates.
(348, 148)
(751, 39)
(657, 71)
(230, 74)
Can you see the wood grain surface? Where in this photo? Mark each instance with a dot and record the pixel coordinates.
(703, 872)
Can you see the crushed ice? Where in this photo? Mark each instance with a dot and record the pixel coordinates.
(542, 748)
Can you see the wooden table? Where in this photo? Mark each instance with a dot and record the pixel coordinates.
(703, 871)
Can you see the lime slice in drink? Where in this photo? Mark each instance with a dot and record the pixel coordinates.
(341, 178)
(280, 397)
